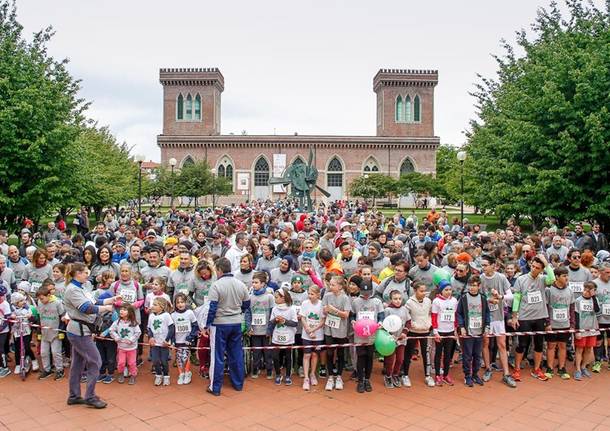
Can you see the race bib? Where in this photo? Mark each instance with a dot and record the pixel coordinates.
(586, 306)
(281, 338)
(183, 326)
(36, 286)
(332, 321)
(370, 315)
(493, 307)
(560, 314)
(312, 323)
(259, 319)
(475, 322)
(297, 309)
(534, 297)
(606, 309)
(576, 286)
(183, 288)
(448, 315)
(128, 295)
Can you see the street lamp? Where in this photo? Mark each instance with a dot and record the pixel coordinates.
(139, 159)
(461, 156)
(172, 162)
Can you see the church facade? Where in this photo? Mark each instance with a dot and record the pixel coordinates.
(404, 141)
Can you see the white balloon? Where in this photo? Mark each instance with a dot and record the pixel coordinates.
(392, 323)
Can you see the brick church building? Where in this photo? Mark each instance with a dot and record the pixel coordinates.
(404, 142)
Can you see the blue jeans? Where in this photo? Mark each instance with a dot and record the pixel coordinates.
(160, 358)
(471, 355)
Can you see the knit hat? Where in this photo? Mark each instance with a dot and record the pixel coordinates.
(172, 240)
(366, 286)
(17, 297)
(464, 257)
(24, 286)
(375, 245)
(289, 259)
(297, 278)
(442, 285)
(357, 280)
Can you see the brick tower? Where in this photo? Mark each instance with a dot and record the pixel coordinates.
(191, 101)
(405, 102)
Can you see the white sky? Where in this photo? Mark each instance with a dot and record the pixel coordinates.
(291, 66)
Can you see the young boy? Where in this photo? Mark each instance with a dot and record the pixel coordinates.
(585, 309)
(473, 322)
(298, 296)
(261, 304)
(393, 363)
(51, 311)
(560, 300)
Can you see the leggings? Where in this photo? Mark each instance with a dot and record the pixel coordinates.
(27, 339)
(282, 357)
(107, 349)
(600, 351)
(524, 340)
(330, 355)
(261, 359)
(444, 348)
(297, 358)
(203, 354)
(411, 345)
(365, 362)
(393, 363)
(160, 358)
(183, 354)
(3, 361)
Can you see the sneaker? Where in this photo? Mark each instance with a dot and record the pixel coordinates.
(132, 380)
(396, 381)
(120, 379)
(360, 388)
(188, 376)
(406, 381)
(278, 379)
(578, 375)
(35, 366)
(586, 372)
(83, 379)
(330, 383)
(338, 383)
(17, 369)
(125, 372)
(538, 374)
(4, 372)
(476, 379)
(96, 403)
(139, 361)
(468, 381)
(487, 375)
(517, 375)
(44, 375)
(254, 374)
(367, 385)
(563, 374)
(448, 380)
(180, 379)
(101, 378)
(306, 385)
(495, 367)
(323, 373)
(509, 381)
(549, 373)
(269, 375)
(109, 379)
(387, 382)
(75, 401)
(597, 367)
(158, 380)
(438, 381)
(301, 372)
(288, 381)
(204, 372)
(165, 380)
(313, 379)
(429, 381)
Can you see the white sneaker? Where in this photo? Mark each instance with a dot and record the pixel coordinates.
(301, 373)
(339, 383)
(35, 366)
(306, 384)
(181, 379)
(313, 379)
(17, 369)
(165, 380)
(430, 381)
(330, 383)
(158, 380)
(406, 381)
(125, 372)
(188, 376)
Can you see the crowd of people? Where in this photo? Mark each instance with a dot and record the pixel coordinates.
(195, 287)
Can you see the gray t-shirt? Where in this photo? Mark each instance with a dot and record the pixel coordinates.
(603, 298)
(533, 298)
(500, 283)
(260, 307)
(390, 284)
(350, 266)
(230, 295)
(368, 308)
(475, 324)
(265, 264)
(333, 327)
(280, 277)
(559, 301)
(403, 313)
(585, 314)
(50, 315)
(37, 275)
(423, 275)
(74, 298)
(577, 279)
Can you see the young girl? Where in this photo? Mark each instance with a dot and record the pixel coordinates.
(419, 306)
(22, 329)
(204, 277)
(585, 308)
(59, 280)
(105, 285)
(444, 307)
(187, 329)
(157, 291)
(393, 363)
(337, 306)
(161, 333)
(126, 333)
(51, 312)
(282, 328)
(298, 295)
(261, 304)
(312, 319)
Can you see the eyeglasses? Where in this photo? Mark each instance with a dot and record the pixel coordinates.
(575, 257)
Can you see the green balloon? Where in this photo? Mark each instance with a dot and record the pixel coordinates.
(384, 342)
(34, 311)
(244, 328)
(439, 275)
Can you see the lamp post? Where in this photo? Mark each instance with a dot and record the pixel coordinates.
(461, 156)
(172, 163)
(139, 159)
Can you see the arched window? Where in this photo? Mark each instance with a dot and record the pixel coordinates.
(416, 109)
(225, 168)
(229, 173)
(371, 166)
(406, 167)
(408, 115)
(298, 161)
(334, 177)
(180, 107)
(198, 107)
(188, 161)
(399, 110)
(261, 172)
(188, 115)
(221, 170)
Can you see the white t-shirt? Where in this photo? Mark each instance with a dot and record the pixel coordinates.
(150, 297)
(183, 323)
(314, 314)
(445, 310)
(159, 325)
(5, 313)
(282, 334)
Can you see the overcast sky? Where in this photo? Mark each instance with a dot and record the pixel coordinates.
(303, 67)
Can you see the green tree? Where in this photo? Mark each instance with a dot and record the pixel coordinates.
(40, 115)
(372, 186)
(419, 184)
(541, 144)
(220, 186)
(194, 180)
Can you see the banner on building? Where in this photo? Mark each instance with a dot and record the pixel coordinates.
(279, 166)
(243, 181)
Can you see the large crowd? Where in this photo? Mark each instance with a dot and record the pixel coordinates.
(170, 287)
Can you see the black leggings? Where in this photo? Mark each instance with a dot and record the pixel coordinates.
(445, 347)
(330, 352)
(3, 361)
(27, 340)
(411, 345)
(524, 340)
(282, 357)
(365, 362)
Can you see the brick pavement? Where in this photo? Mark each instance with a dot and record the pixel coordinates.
(556, 404)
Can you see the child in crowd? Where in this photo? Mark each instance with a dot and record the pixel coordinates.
(444, 307)
(312, 319)
(261, 304)
(337, 306)
(473, 322)
(105, 285)
(59, 280)
(393, 363)
(51, 312)
(419, 306)
(282, 328)
(22, 330)
(560, 301)
(585, 308)
(161, 333)
(298, 295)
(353, 291)
(366, 306)
(204, 277)
(126, 332)
(106, 347)
(187, 329)
(5, 315)
(157, 291)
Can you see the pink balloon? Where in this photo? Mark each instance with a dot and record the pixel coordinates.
(365, 327)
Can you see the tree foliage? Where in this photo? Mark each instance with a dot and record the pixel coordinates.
(372, 186)
(419, 184)
(541, 145)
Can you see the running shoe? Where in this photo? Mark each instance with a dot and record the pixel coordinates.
(538, 374)
(306, 385)
(597, 367)
(577, 375)
(278, 379)
(338, 383)
(429, 381)
(517, 375)
(586, 373)
(367, 385)
(476, 379)
(563, 374)
(330, 383)
(313, 379)
(396, 381)
(468, 381)
(288, 381)
(509, 381)
(360, 388)
(406, 381)
(549, 373)
(487, 375)
(438, 381)
(387, 382)
(448, 380)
